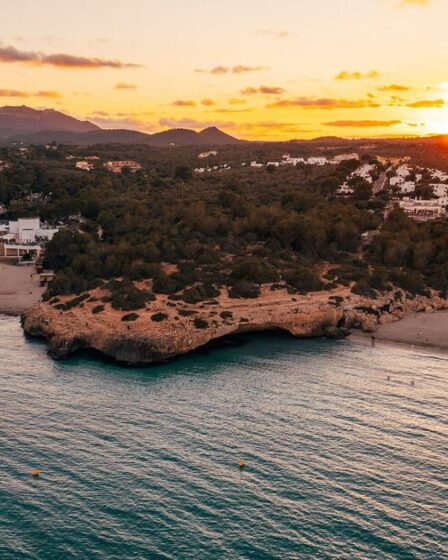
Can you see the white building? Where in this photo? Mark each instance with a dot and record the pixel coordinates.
(30, 230)
(364, 171)
(317, 160)
(255, 164)
(288, 160)
(208, 154)
(84, 165)
(423, 210)
(345, 190)
(118, 166)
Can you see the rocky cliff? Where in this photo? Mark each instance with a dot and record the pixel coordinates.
(165, 329)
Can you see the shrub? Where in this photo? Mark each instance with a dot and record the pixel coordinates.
(303, 280)
(98, 309)
(226, 315)
(158, 317)
(186, 312)
(130, 317)
(245, 290)
(76, 301)
(127, 297)
(200, 323)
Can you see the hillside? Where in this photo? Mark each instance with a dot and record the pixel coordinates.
(31, 126)
(24, 120)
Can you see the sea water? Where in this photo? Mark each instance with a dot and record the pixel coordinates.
(346, 451)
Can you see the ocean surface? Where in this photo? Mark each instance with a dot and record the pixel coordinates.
(342, 463)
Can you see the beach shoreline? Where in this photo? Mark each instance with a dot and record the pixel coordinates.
(19, 289)
(424, 330)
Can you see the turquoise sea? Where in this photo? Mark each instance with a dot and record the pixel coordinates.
(342, 462)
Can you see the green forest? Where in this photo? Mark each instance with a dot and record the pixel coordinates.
(236, 229)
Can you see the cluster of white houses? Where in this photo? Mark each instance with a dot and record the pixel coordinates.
(285, 160)
(402, 182)
(88, 163)
(25, 236)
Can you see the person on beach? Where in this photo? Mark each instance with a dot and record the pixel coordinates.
(373, 339)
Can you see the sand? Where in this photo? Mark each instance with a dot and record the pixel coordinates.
(417, 329)
(19, 288)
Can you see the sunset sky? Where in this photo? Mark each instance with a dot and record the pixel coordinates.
(258, 69)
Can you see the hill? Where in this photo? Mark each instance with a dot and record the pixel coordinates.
(24, 120)
(32, 126)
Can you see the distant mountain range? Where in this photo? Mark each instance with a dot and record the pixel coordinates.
(32, 126)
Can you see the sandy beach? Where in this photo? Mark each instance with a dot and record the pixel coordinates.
(19, 288)
(417, 329)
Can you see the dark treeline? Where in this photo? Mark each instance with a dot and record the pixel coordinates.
(239, 228)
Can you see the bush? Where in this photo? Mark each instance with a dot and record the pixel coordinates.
(186, 312)
(158, 317)
(127, 297)
(98, 309)
(130, 317)
(200, 323)
(226, 315)
(244, 290)
(303, 280)
(254, 270)
(200, 293)
(363, 289)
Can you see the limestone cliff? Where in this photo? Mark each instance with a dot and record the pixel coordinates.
(145, 340)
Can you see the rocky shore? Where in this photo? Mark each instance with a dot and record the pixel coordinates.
(165, 329)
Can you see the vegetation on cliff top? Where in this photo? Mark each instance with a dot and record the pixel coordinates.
(193, 235)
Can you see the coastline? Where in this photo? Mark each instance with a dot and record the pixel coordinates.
(19, 289)
(416, 330)
(164, 329)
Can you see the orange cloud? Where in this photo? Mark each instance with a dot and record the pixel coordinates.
(184, 103)
(125, 85)
(264, 90)
(16, 93)
(357, 75)
(394, 87)
(237, 101)
(232, 110)
(12, 55)
(208, 102)
(239, 69)
(414, 2)
(427, 104)
(362, 124)
(324, 103)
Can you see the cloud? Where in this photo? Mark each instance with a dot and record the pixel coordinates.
(184, 103)
(125, 85)
(237, 101)
(48, 94)
(324, 103)
(414, 2)
(264, 90)
(427, 104)
(17, 93)
(394, 87)
(247, 110)
(110, 121)
(271, 32)
(357, 75)
(208, 102)
(192, 123)
(362, 124)
(9, 55)
(239, 69)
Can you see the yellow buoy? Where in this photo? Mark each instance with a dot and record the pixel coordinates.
(242, 464)
(35, 472)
